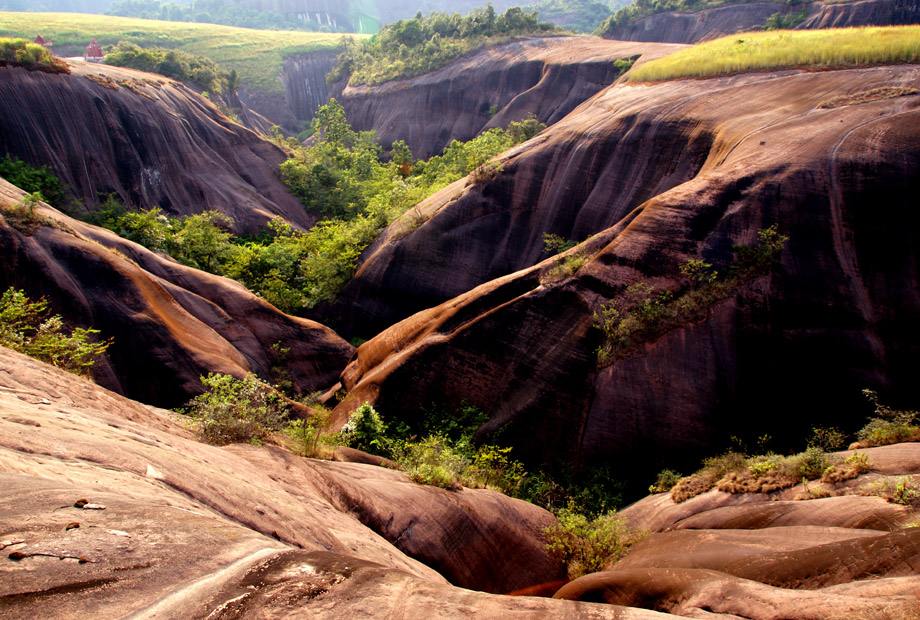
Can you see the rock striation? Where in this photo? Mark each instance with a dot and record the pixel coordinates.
(170, 323)
(185, 530)
(147, 139)
(676, 27)
(546, 77)
(660, 174)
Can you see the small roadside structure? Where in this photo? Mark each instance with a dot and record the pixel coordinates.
(45, 43)
(93, 52)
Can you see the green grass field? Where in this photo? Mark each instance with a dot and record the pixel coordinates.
(255, 54)
(786, 49)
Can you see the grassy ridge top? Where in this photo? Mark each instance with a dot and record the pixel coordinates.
(786, 49)
(256, 55)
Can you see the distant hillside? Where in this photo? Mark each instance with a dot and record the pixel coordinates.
(256, 55)
(690, 21)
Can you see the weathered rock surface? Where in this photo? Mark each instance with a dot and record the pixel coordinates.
(170, 323)
(660, 174)
(147, 139)
(675, 27)
(843, 556)
(546, 77)
(183, 530)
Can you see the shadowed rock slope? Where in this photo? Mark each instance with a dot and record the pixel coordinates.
(546, 77)
(149, 140)
(675, 27)
(763, 556)
(185, 530)
(170, 323)
(661, 174)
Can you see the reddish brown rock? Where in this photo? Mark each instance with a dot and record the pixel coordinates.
(170, 324)
(145, 138)
(239, 531)
(546, 77)
(679, 27)
(662, 174)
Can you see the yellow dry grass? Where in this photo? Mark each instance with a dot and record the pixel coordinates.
(786, 49)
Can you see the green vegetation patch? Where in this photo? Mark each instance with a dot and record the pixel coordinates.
(816, 50)
(22, 53)
(25, 326)
(256, 55)
(416, 46)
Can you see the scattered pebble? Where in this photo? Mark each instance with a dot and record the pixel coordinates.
(93, 507)
(72, 526)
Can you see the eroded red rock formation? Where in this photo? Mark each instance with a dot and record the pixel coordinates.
(170, 323)
(147, 139)
(546, 77)
(661, 174)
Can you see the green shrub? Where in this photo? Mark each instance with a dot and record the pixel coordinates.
(904, 491)
(34, 179)
(236, 410)
(588, 545)
(432, 461)
(365, 430)
(665, 481)
(26, 327)
(826, 438)
(888, 426)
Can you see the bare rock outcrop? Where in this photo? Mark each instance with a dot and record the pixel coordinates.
(172, 528)
(841, 556)
(151, 141)
(660, 174)
(546, 77)
(677, 27)
(170, 323)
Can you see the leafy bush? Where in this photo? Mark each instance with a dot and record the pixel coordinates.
(237, 410)
(904, 491)
(365, 430)
(826, 438)
(588, 545)
(432, 461)
(665, 481)
(888, 425)
(25, 327)
(34, 179)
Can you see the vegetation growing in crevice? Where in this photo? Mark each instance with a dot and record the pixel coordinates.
(642, 313)
(588, 545)
(411, 47)
(737, 471)
(26, 326)
(22, 216)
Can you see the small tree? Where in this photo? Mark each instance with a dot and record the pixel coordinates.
(365, 430)
(24, 327)
(236, 410)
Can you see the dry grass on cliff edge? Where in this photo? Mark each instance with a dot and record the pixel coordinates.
(837, 48)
